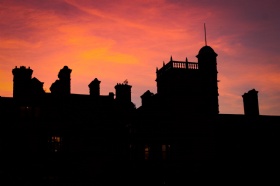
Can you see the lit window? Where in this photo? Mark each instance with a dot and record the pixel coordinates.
(55, 143)
(56, 139)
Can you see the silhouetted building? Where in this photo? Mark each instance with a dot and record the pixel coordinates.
(25, 88)
(189, 85)
(176, 136)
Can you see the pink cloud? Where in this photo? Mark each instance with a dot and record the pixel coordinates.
(129, 39)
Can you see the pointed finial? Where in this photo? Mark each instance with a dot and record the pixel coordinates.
(205, 35)
(186, 59)
(171, 58)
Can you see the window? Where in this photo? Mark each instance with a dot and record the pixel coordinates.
(36, 112)
(55, 143)
(131, 150)
(25, 111)
(165, 149)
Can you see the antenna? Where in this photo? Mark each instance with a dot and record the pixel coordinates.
(205, 35)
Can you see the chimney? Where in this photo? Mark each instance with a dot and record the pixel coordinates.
(22, 82)
(62, 86)
(94, 88)
(250, 103)
(146, 98)
(123, 92)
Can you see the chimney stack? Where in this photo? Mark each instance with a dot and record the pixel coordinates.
(250, 103)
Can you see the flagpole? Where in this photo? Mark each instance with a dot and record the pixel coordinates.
(205, 35)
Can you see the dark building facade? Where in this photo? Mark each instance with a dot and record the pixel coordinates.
(175, 137)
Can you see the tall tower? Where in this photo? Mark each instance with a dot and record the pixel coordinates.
(207, 65)
(21, 82)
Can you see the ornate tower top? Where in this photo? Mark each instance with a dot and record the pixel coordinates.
(64, 73)
(206, 51)
(63, 85)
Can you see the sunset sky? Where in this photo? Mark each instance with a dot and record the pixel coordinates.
(127, 39)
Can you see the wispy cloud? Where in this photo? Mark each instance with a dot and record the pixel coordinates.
(114, 41)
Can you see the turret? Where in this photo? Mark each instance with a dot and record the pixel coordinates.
(207, 60)
(207, 65)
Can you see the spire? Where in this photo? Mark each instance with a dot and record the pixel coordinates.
(205, 35)
(171, 58)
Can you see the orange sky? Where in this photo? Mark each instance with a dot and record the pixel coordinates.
(118, 40)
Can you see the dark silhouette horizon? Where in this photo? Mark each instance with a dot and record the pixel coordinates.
(177, 136)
